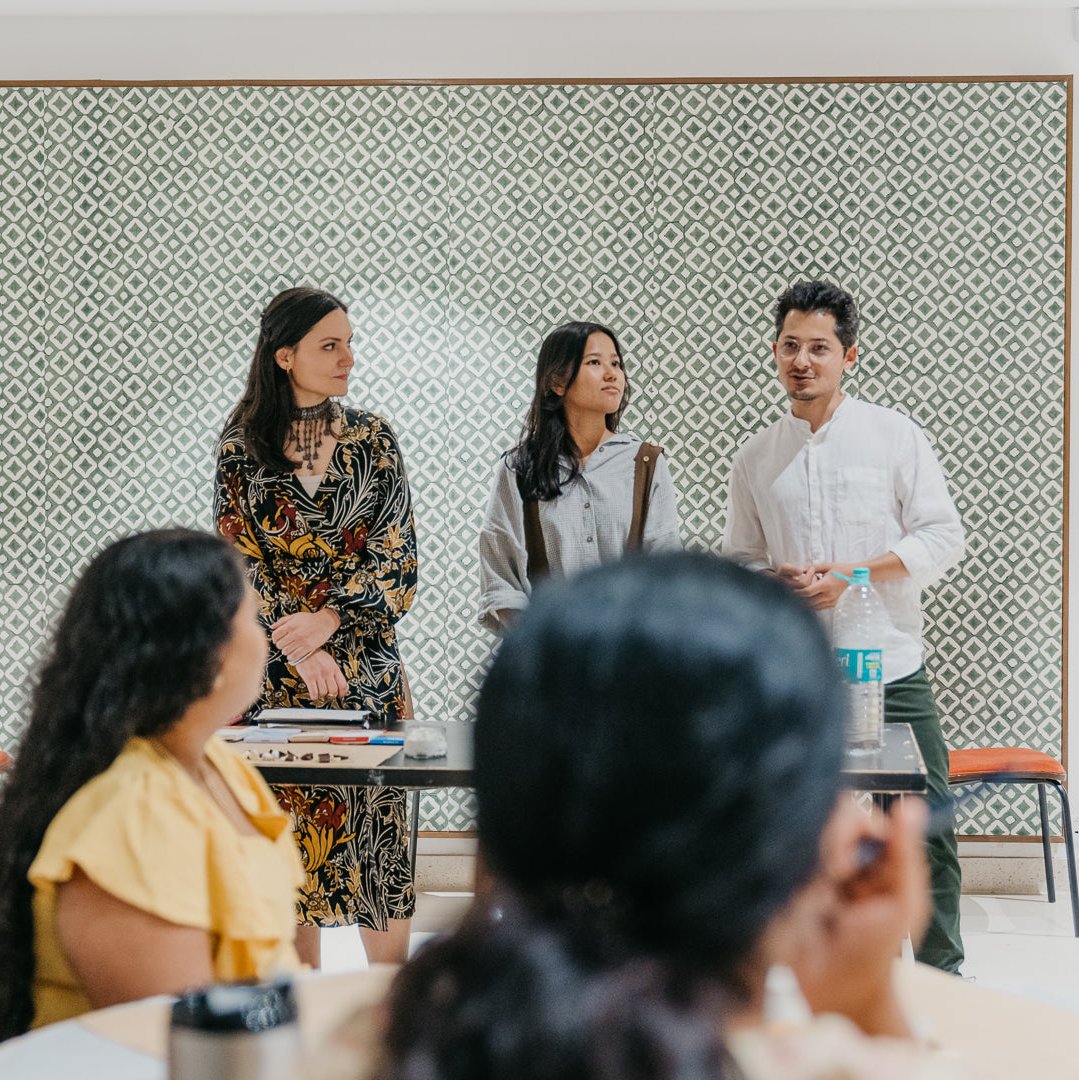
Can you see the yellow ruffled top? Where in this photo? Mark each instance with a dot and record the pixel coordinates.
(146, 833)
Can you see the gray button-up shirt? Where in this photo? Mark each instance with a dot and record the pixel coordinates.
(585, 526)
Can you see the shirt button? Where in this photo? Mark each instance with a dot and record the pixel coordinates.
(588, 539)
(587, 505)
(602, 448)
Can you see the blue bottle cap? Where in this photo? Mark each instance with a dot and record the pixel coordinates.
(861, 575)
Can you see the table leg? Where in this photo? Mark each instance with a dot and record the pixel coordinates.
(413, 832)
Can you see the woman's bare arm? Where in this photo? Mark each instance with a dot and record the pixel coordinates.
(120, 953)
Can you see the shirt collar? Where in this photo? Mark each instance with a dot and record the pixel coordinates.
(596, 459)
(802, 426)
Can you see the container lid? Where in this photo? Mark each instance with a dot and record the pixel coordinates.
(250, 1007)
(860, 576)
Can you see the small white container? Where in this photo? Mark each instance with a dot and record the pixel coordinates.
(423, 740)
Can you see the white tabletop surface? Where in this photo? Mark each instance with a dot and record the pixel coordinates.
(994, 1036)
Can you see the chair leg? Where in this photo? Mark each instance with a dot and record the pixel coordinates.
(1069, 848)
(1047, 848)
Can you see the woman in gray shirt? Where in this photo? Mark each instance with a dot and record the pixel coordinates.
(571, 476)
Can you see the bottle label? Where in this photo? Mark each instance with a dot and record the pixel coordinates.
(861, 665)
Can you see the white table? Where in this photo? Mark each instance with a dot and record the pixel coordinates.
(993, 1036)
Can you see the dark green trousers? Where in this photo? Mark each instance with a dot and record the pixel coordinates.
(910, 701)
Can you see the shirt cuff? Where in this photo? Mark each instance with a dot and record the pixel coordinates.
(338, 604)
(512, 601)
(668, 541)
(913, 556)
(750, 562)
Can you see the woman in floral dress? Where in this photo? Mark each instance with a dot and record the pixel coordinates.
(315, 497)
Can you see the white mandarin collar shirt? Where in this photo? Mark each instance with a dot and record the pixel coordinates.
(865, 483)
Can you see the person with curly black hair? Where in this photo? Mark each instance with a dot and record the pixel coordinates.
(140, 855)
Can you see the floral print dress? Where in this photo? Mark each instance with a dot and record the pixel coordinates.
(350, 545)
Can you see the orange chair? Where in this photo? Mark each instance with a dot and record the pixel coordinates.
(1021, 765)
(5, 760)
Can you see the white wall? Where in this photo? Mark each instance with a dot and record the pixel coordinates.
(1034, 41)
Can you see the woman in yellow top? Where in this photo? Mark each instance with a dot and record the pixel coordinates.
(141, 856)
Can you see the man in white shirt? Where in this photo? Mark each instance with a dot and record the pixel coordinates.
(838, 483)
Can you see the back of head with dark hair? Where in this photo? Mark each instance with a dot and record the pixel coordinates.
(137, 643)
(546, 444)
(657, 752)
(821, 296)
(264, 411)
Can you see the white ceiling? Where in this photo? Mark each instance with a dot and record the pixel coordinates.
(453, 7)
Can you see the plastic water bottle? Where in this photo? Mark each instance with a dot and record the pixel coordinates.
(858, 632)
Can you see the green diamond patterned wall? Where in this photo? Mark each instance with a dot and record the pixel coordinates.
(143, 228)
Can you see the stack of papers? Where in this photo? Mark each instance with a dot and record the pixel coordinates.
(291, 725)
(279, 733)
(314, 716)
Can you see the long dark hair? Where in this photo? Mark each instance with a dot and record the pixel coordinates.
(657, 752)
(138, 642)
(264, 412)
(546, 444)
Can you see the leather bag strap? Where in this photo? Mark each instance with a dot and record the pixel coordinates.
(644, 471)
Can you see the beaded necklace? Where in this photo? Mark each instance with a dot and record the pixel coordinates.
(309, 427)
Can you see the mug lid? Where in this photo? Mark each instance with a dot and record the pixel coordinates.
(237, 1006)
